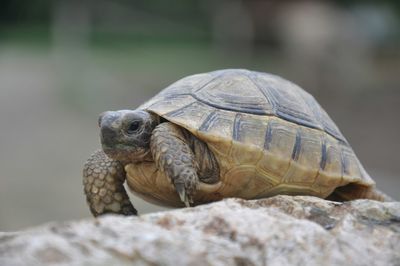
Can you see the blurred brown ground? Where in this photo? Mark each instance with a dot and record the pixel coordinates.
(51, 93)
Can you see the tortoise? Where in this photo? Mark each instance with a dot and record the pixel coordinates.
(226, 133)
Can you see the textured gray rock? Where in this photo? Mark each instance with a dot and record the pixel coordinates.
(282, 230)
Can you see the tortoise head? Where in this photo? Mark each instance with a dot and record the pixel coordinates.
(125, 134)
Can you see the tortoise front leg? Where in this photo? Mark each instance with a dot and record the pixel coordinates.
(173, 156)
(103, 180)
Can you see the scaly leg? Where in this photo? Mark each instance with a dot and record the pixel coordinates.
(173, 156)
(103, 180)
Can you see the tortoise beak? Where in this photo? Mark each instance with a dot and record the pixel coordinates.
(109, 128)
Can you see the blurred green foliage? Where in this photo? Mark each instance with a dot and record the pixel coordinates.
(39, 11)
(14, 12)
(394, 3)
(20, 11)
(150, 20)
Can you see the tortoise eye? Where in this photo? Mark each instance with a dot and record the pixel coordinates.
(133, 127)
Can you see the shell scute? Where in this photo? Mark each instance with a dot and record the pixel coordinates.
(262, 129)
(280, 141)
(305, 166)
(234, 92)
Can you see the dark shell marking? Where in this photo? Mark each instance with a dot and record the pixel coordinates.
(265, 111)
(274, 96)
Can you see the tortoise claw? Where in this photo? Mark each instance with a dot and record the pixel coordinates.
(180, 188)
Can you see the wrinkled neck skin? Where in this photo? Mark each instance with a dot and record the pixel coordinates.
(128, 158)
(146, 156)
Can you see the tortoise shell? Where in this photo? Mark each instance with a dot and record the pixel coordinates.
(269, 137)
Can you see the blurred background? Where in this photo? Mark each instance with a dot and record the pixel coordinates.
(63, 62)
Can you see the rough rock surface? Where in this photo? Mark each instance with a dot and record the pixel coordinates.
(282, 230)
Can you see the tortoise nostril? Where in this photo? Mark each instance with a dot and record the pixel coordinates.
(108, 116)
(109, 127)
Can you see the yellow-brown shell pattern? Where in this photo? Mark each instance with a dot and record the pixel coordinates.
(269, 135)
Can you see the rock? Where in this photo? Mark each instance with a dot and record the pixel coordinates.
(282, 230)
